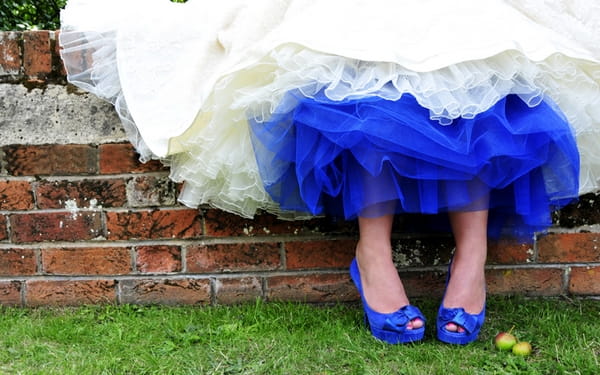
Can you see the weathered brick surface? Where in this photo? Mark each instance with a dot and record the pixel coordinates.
(148, 191)
(69, 292)
(170, 292)
(37, 53)
(180, 224)
(17, 262)
(229, 291)
(10, 293)
(158, 259)
(585, 281)
(319, 254)
(15, 195)
(528, 281)
(569, 248)
(86, 193)
(585, 211)
(3, 229)
(422, 251)
(311, 288)
(509, 252)
(55, 226)
(86, 261)
(122, 158)
(423, 284)
(224, 224)
(28, 160)
(10, 53)
(233, 257)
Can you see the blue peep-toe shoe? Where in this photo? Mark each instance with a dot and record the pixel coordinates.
(471, 323)
(392, 327)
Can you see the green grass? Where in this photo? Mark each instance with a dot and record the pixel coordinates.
(283, 338)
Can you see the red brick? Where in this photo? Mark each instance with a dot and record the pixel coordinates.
(509, 252)
(158, 259)
(237, 290)
(122, 158)
(423, 283)
(153, 224)
(223, 224)
(526, 281)
(311, 288)
(17, 262)
(233, 257)
(69, 292)
(86, 193)
(50, 160)
(15, 195)
(166, 292)
(147, 191)
(319, 254)
(37, 53)
(87, 261)
(59, 65)
(585, 281)
(3, 229)
(569, 248)
(10, 53)
(55, 226)
(10, 293)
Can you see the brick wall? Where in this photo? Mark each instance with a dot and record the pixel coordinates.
(87, 223)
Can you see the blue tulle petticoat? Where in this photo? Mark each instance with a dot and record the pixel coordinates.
(370, 157)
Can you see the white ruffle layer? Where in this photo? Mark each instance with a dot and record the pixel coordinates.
(90, 60)
(194, 103)
(448, 93)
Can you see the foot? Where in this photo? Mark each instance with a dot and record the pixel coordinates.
(466, 289)
(396, 327)
(462, 312)
(382, 287)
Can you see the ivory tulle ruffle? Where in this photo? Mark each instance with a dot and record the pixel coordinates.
(187, 78)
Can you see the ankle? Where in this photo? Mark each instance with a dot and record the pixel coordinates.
(374, 248)
(467, 291)
(381, 284)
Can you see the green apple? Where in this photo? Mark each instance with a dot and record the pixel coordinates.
(522, 348)
(505, 341)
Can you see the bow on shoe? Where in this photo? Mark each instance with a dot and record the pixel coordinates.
(398, 321)
(459, 317)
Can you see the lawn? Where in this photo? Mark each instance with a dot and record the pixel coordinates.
(285, 338)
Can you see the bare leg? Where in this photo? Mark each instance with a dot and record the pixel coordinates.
(466, 287)
(382, 286)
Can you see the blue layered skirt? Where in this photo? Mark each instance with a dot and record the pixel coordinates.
(400, 106)
(371, 157)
